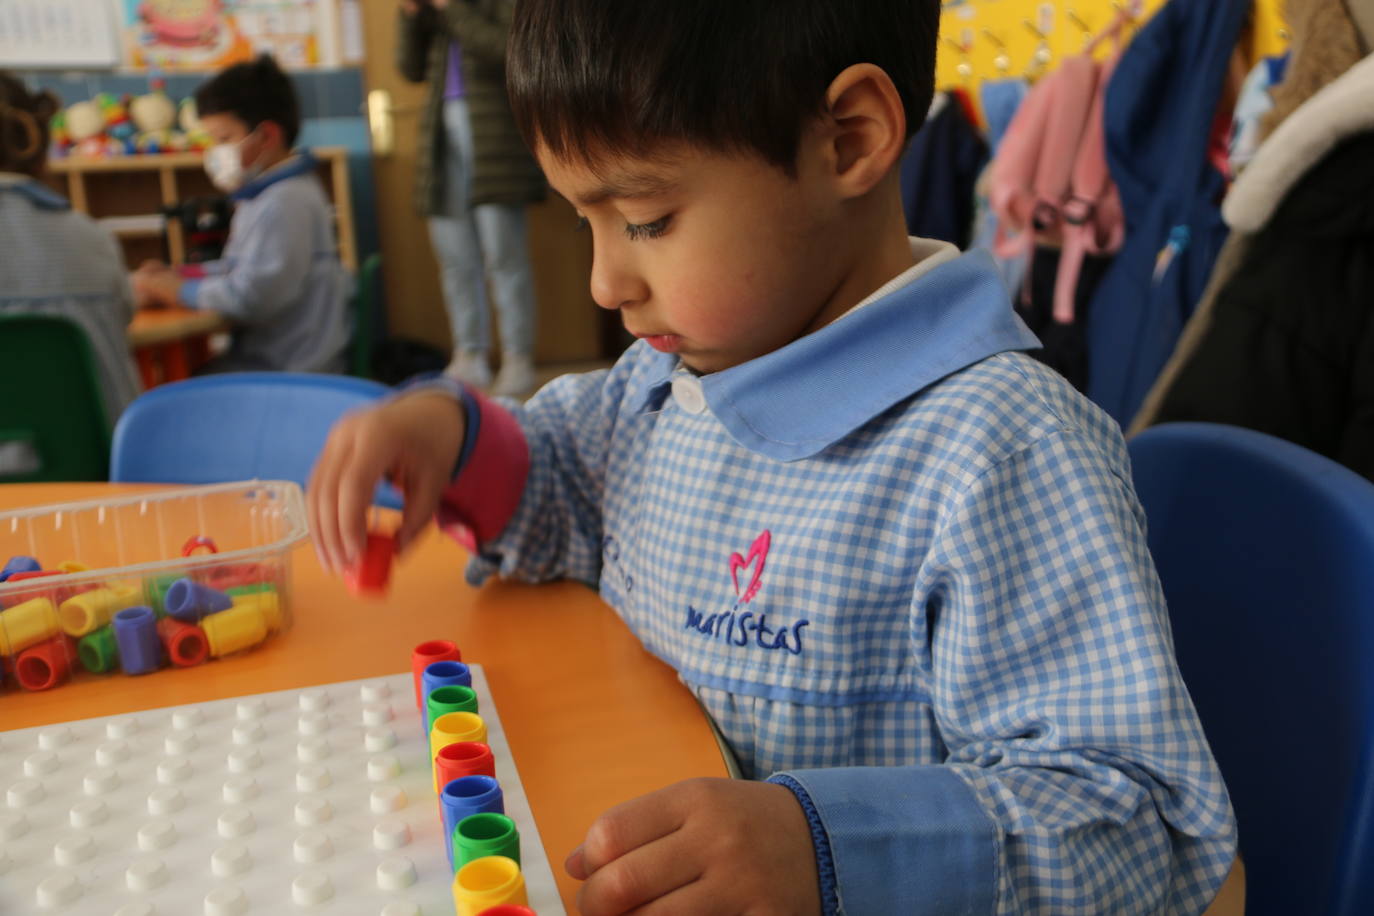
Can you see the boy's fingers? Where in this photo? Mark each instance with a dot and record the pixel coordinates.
(639, 878)
(421, 496)
(324, 482)
(627, 827)
(357, 481)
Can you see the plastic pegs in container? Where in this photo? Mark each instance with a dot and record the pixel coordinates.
(190, 602)
(135, 630)
(45, 665)
(27, 624)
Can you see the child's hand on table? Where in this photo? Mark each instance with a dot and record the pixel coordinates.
(412, 441)
(700, 846)
(155, 285)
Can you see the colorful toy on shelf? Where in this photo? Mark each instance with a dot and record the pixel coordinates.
(85, 129)
(59, 138)
(155, 116)
(188, 119)
(119, 126)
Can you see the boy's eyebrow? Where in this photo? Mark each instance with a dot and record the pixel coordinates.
(626, 187)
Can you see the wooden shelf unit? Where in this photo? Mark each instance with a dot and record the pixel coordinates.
(142, 185)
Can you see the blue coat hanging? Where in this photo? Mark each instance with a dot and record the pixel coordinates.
(1160, 110)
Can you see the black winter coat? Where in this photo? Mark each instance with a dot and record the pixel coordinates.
(1290, 350)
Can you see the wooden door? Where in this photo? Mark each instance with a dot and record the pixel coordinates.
(569, 326)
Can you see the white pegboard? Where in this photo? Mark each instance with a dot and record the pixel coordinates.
(318, 800)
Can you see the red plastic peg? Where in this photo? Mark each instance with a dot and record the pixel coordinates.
(371, 574)
(184, 643)
(426, 654)
(45, 665)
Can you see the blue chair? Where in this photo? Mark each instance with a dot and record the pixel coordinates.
(237, 426)
(1266, 553)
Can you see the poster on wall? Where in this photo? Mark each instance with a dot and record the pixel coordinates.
(209, 34)
(56, 33)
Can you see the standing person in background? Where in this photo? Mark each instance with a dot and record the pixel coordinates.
(474, 181)
(280, 281)
(53, 260)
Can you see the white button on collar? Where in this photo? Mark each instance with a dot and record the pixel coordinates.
(688, 394)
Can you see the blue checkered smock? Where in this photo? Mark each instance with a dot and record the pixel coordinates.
(903, 567)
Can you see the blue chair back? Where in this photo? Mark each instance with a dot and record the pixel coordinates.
(237, 426)
(1266, 553)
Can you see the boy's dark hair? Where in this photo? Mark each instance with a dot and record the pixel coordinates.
(587, 77)
(24, 122)
(253, 92)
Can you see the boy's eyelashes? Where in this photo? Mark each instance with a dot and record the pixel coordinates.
(635, 231)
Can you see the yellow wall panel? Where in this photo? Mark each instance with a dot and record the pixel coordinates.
(977, 27)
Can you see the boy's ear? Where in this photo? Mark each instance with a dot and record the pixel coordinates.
(865, 128)
(273, 133)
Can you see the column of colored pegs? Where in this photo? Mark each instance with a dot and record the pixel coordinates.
(481, 842)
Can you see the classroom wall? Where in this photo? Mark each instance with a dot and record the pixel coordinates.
(965, 24)
(331, 113)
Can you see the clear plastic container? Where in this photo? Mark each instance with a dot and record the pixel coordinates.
(136, 583)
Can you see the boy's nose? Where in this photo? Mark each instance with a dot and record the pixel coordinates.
(615, 281)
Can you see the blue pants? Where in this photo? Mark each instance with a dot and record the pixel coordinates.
(477, 244)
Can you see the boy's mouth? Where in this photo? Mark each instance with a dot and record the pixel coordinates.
(664, 343)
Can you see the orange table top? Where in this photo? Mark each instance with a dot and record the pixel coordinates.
(156, 326)
(591, 717)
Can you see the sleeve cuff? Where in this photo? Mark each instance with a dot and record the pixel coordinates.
(189, 293)
(825, 862)
(913, 839)
(489, 476)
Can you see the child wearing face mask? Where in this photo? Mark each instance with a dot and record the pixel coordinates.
(279, 282)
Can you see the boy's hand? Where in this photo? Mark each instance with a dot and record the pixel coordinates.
(155, 286)
(701, 846)
(413, 441)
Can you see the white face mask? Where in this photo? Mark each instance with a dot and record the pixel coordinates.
(224, 165)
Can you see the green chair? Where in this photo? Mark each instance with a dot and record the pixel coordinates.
(53, 424)
(365, 315)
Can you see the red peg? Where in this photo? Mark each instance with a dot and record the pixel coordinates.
(45, 665)
(184, 643)
(426, 654)
(464, 758)
(370, 575)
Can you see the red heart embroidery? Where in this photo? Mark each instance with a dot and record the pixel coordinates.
(759, 551)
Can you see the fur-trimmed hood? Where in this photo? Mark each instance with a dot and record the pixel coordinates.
(1340, 110)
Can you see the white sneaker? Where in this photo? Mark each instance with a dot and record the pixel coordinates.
(516, 378)
(470, 367)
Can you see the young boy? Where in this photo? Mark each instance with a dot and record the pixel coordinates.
(280, 281)
(899, 562)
